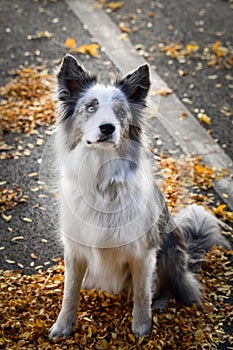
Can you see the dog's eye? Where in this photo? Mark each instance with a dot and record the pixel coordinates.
(91, 108)
(121, 113)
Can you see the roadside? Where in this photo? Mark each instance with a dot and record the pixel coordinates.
(34, 33)
(39, 41)
(191, 48)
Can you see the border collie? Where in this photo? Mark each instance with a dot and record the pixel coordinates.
(115, 226)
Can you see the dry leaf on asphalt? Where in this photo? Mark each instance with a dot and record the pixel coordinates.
(203, 118)
(166, 91)
(88, 50)
(70, 43)
(114, 5)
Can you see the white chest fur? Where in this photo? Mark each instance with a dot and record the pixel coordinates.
(104, 204)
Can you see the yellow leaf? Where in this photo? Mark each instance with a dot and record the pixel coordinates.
(123, 28)
(220, 207)
(216, 46)
(203, 118)
(88, 49)
(92, 50)
(164, 91)
(200, 168)
(70, 43)
(219, 50)
(131, 337)
(115, 5)
(192, 47)
(6, 217)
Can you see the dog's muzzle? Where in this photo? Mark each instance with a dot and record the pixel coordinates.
(106, 131)
(106, 134)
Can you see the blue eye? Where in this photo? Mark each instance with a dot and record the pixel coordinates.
(91, 108)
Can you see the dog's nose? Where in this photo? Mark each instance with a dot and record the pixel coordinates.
(107, 129)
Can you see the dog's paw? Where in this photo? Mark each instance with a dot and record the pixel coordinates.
(160, 304)
(61, 329)
(143, 329)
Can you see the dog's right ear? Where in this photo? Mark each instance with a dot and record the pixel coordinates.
(73, 78)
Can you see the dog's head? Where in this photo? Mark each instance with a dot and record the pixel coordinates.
(97, 115)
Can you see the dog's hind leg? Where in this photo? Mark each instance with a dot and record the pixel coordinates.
(175, 280)
(74, 273)
(142, 275)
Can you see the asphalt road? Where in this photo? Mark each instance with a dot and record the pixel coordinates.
(18, 21)
(161, 31)
(153, 26)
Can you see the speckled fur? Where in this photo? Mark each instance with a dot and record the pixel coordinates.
(116, 229)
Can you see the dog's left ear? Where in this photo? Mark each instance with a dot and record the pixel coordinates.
(136, 85)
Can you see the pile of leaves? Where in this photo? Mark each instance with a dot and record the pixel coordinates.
(215, 55)
(10, 197)
(26, 101)
(185, 180)
(30, 304)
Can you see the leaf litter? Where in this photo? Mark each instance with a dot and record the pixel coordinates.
(10, 197)
(26, 101)
(29, 304)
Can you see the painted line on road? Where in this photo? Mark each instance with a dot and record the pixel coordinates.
(124, 56)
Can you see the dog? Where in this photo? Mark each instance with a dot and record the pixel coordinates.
(117, 231)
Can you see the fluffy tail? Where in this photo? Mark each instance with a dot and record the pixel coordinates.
(195, 232)
(201, 231)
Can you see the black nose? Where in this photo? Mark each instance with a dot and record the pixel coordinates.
(107, 129)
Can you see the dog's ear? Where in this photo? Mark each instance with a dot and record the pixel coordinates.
(73, 78)
(136, 85)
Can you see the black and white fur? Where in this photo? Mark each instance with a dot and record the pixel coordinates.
(115, 226)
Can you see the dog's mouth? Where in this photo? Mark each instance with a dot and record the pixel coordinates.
(102, 139)
(105, 138)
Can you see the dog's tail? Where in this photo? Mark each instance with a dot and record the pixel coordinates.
(201, 231)
(195, 232)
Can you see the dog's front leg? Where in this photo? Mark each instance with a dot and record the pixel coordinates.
(74, 273)
(142, 274)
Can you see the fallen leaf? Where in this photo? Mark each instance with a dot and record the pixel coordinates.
(222, 213)
(70, 43)
(88, 50)
(40, 35)
(32, 174)
(17, 238)
(10, 261)
(164, 91)
(192, 47)
(123, 28)
(33, 256)
(219, 51)
(182, 72)
(203, 118)
(113, 6)
(6, 217)
(27, 219)
(152, 14)
(187, 100)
